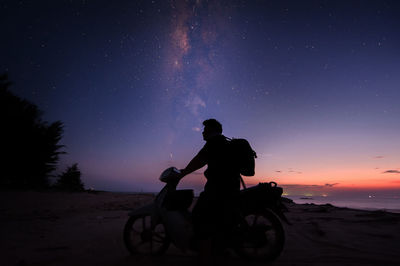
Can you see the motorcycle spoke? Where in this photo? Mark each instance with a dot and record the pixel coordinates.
(160, 239)
(255, 251)
(151, 246)
(255, 220)
(141, 237)
(248, 246)
(144, 223)
(135, 230)
(158, 236)
(267, 227)
(142, 243)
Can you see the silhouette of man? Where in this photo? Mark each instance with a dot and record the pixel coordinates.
(215, 209)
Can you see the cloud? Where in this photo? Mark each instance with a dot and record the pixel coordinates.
(331, 185)
(293, 171)
(391, 172)
(378, 157)
(298, 186)
(197, 129)
(290, 171)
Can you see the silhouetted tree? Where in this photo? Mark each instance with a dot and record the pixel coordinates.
(29, 146)
(70, 180)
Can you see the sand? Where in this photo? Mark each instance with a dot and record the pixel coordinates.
(54, 228)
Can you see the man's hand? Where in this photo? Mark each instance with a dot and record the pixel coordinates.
(183, 172)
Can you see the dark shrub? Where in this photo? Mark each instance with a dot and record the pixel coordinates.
(29, 146)
(70, 180)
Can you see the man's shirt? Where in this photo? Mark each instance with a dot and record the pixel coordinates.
(222, 174)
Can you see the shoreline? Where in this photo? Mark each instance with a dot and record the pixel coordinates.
(395, 211)
(356, 204)
(295, 200)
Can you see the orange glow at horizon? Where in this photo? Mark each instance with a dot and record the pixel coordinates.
(350, 162)
(338, 178)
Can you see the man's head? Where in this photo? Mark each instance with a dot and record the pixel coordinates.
(211, 128)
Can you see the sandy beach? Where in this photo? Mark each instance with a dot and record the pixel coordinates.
(55, 228)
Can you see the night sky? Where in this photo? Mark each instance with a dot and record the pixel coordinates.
(313, 85)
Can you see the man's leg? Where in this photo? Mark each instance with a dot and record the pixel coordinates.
(204, 219)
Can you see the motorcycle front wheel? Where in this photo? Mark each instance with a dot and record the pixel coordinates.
(141, 237)
(262, 236)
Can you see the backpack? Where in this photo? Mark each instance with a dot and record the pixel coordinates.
(244, 156)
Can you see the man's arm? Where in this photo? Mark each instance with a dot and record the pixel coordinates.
(196, 163)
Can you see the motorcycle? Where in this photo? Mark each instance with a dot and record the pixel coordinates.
(258, 235)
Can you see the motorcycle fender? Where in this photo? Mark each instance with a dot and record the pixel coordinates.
(145, 210)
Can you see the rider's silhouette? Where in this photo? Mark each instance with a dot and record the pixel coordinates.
(215, 209)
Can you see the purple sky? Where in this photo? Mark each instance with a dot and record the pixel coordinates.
(313, 85)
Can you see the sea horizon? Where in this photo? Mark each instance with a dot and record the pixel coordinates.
(370, 202)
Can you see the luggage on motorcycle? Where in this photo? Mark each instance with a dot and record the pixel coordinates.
(264, 195)
(244, 156)
(179, 200)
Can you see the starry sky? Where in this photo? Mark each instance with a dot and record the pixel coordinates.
(313, 85)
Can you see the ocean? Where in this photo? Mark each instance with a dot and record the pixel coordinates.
(390, 204)
(385, 201)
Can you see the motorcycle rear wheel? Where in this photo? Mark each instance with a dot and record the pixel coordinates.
(140, 237)
(263, 236)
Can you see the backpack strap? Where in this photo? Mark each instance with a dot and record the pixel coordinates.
(242, 182)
